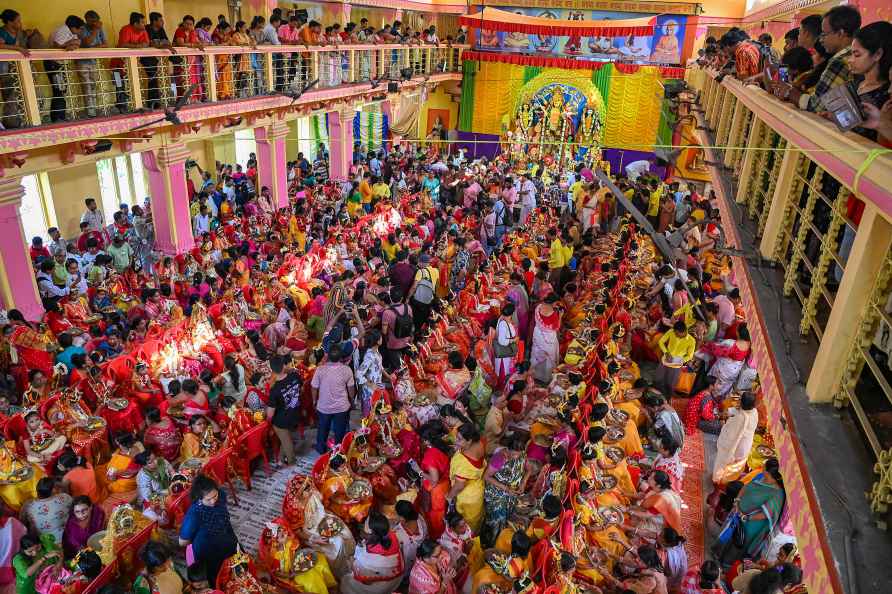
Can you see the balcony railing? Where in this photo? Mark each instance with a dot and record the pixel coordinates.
(800, 180)
(51, 86)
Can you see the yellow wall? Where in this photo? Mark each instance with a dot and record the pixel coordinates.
(70, 187)
(47, 16)
(224, 148)
(174, 10)
(733, 9)
(438, 99)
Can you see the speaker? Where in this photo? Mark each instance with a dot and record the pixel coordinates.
(393, 87)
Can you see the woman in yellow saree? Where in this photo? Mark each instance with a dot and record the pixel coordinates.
(466, 474)
(121, 472)
(224, 62)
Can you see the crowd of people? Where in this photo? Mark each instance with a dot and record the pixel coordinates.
(237, 75)
(501, 368)
(823, 53)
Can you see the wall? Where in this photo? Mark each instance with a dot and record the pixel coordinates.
(438, 99)
(47, 16)
(224, 148)
(70, 187)
(174, 10)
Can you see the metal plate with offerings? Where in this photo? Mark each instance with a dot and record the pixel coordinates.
(329, 526)
(95, 423)
(117, 404)
(614, 434)
(359, 489)
(617, 417)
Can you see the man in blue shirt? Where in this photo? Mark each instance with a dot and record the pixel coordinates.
(68, 350)
(374, 165)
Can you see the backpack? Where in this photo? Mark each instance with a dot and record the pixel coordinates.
(403, 326)
(424, 290)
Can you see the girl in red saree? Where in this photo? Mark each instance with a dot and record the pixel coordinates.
(432, 502)
(453, 381)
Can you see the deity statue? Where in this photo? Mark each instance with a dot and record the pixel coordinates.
(525, 118)
(589, 133)
(558, 118)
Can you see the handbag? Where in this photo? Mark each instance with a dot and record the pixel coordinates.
(731, 543)
(685, 382)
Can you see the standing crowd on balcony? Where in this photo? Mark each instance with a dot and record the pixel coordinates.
(823, 53)
(237, 75)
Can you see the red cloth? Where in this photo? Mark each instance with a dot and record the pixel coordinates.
(567, 63)
(497, 20)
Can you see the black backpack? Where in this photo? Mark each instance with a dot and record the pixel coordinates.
(403, 326)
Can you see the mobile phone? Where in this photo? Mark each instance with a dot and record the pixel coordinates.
(783, 74)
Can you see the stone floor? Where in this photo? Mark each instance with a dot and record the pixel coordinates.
(263, 502)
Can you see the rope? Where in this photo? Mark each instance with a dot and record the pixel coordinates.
(871, 157)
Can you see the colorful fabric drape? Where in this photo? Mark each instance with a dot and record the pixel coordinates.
(370, 129)
(493, 19)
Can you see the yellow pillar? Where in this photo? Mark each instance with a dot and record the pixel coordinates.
(735, 132)
(774, 225)
(872, 243)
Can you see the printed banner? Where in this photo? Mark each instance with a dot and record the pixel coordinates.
(663, 47)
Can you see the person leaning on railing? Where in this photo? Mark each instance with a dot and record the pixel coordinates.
(66, 37)
(134, 36)
(12, 37)
(91, 36)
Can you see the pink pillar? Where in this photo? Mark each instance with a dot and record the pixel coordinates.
(18, 287)
(166, 168)
(272, 165)
(340, 136)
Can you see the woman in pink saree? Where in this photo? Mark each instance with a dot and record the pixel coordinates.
(431, 573)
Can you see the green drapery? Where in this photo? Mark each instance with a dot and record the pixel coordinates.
(601, 79)
(667, 124)
(531, 72)
(466, 107)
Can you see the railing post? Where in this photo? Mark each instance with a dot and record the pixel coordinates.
(872, 243)
(210, 71)
(749, 156)
(351, 66)
(783, 194)
(269, 73)
(29, 92)
(735, 133)
(135, 84)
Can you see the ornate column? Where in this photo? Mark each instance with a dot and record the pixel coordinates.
(340, 136)
(166, 170)
(18, 288)
(272, 169)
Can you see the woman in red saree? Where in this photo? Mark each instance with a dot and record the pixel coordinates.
(453, 381)
(432, 502)
(162, 435)
(34, 349)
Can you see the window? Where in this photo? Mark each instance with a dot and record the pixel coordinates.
(122, 180)
(138, 178)
(305, 142)
(32, 210)
(244, 146)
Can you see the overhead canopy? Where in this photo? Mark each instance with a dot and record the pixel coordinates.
(493, 19)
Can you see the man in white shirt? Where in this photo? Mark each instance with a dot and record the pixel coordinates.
(527, 197)
(45, 285)
(58, 242)
(93, 217)
(202, 222)
(636, 169)
(66, 37)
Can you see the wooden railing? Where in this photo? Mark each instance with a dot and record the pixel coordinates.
(49, 86)
(804, 183)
